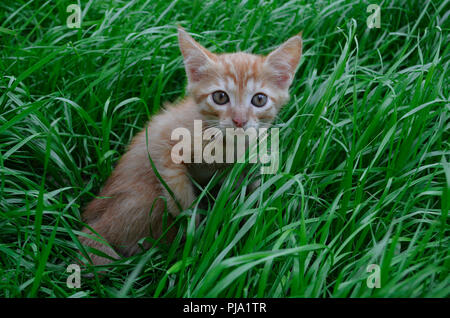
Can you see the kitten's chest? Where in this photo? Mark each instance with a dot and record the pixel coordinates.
(203, 172)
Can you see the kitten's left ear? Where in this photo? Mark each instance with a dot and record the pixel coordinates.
(282, 63)
(197, 59)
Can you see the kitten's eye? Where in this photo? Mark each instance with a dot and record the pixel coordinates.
(220, 97)
(259, 100)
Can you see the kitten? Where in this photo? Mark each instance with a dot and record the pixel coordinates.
(224, 90)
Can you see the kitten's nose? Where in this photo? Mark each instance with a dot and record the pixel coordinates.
(239, 122)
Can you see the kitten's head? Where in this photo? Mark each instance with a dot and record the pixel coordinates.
(239, 89)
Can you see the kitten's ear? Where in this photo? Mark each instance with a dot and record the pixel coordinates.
(282, 63)
(196, 57)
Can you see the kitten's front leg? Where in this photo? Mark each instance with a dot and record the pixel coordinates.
(176, 177)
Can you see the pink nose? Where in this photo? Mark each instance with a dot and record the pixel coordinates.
(239, 122)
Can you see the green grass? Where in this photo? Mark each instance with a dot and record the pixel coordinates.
(365, 168)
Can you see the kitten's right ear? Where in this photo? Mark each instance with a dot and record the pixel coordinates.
(282, 63)
(196, 57)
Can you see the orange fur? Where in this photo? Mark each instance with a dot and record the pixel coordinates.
(121, 213)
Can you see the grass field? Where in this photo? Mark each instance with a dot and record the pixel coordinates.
(364, 176)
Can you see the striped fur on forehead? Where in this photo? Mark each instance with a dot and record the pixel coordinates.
(241, 67)
(232, 71)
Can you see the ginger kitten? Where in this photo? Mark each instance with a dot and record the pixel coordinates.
(224, 90)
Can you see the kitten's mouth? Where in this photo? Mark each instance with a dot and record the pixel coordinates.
(223, 127)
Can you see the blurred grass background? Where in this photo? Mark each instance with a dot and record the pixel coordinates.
(364, 177)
